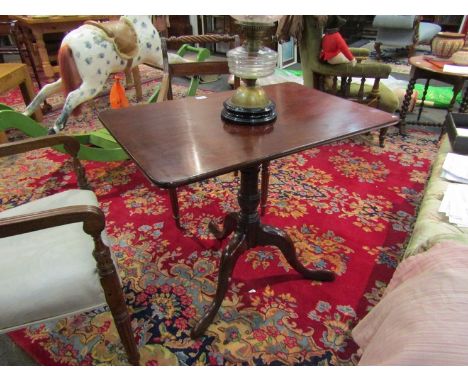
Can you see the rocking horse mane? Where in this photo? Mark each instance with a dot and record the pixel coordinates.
(71, 79)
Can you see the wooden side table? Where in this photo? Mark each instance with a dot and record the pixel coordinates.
(39, 26)
(423, 69)
(13, 75)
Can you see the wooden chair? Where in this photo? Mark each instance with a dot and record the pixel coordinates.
(197, 69)
(406, 31)
(47, 270)
(21, 45)
(316, 72)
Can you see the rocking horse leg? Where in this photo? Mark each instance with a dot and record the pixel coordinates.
(137, 83)
(75, 98)
(45, 92)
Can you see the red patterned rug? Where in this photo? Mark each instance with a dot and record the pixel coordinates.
(348, 206)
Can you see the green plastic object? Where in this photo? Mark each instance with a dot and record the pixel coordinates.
(97, 146)
(202, 55)
(437, 96)
(297, 73)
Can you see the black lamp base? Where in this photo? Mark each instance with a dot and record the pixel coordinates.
(248, 116)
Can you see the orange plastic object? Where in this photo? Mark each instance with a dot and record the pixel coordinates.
(117, 95)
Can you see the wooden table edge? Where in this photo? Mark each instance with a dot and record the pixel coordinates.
(212, 174)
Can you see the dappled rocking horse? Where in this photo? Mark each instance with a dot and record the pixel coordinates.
(90, 53)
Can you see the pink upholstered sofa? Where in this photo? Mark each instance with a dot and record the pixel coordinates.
(422, 318)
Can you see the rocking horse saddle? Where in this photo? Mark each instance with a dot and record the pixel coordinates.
(122, 34)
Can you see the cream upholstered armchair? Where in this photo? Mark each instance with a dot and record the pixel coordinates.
(402, 31)
(53, 259)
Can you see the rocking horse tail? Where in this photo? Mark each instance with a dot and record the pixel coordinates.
(71, 78)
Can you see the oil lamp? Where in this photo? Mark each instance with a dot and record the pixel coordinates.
(250, 104)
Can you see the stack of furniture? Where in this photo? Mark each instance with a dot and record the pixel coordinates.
(19, 45)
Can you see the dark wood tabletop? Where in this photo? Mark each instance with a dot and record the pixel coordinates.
(183, 141)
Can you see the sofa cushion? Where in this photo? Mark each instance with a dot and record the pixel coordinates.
(49, 273)
(421, 320)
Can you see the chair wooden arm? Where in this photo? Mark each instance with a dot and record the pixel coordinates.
(71, 145)
(91, 216)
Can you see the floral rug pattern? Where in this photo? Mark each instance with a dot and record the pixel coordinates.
(348, 206)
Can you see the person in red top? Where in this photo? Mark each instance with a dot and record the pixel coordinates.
(334, 47)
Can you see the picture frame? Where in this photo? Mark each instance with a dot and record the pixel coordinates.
(287, 53)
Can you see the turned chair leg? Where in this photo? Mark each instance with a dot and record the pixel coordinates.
(378, 51)
(113, 292)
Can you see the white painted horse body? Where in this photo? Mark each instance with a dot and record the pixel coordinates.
(96, 58)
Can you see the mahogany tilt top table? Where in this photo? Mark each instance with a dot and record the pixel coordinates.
(184, 141)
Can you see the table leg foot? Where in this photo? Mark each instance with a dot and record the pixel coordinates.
(230, 224)
(269, 235)
(236, 246)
